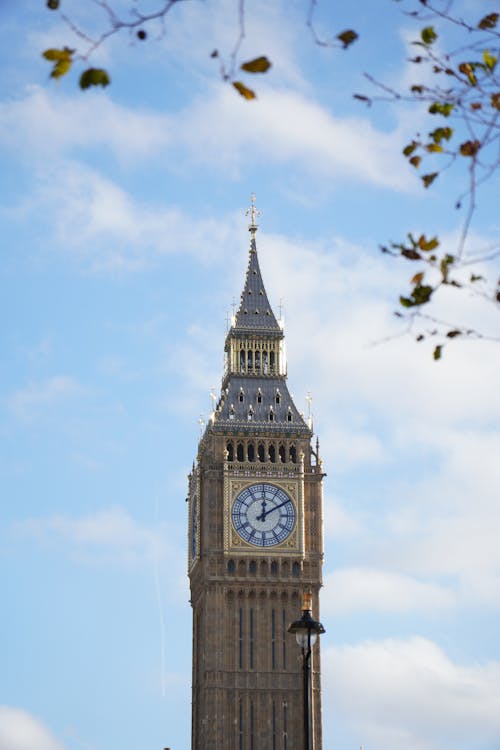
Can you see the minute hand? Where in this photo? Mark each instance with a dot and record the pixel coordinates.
(266, 513)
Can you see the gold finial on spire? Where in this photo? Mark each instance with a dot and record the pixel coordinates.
(253, 213)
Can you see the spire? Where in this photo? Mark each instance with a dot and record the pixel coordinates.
(254, 311)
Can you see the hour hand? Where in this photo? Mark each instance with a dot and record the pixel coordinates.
(263, 515)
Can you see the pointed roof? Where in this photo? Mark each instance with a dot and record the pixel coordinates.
(254, 311)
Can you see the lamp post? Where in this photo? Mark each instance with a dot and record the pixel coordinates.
(306, 632)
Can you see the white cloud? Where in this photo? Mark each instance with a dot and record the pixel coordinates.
(408, 695)
(354, 589)
(19, 730)
(35, 398)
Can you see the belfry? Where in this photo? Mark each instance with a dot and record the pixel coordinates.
(255, 543)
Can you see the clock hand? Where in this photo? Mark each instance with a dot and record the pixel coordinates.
(264, 514)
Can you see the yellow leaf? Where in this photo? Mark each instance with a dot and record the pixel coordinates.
(55, 54)
(417, 279)
(434, 148)
(61, 68)
(258, 65)
(245, 92)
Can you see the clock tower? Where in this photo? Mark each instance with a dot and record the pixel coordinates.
(255, 543)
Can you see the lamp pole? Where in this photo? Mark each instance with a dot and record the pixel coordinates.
(306, 632)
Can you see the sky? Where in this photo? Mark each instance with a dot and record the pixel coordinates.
(124, 243)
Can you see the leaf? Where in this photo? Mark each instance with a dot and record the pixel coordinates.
(362, 98)
(415, 161)
(257, 65)
(420, 337)
(428, 35)
(245, 92)
(417, 89)
(489, 21)
(410, 148)
(422, 294)
(428, 179)
(495, 100)
(468, 70)
(142, 34)
(476, 105)
(405, 302)
(438, 134)
(53, 4)
(427, 245)
(453, 334)
(410, 254)
(489, 60)
(437, 352)
(476, 277)
(94, 77)
(441, 108)
(434, 148)
(347, 37)
(417, 279)
(470, 148)
(62, 59)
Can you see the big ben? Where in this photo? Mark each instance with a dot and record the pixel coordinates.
(255, 542)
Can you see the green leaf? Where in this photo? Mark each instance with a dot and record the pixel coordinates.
(428, 35)
(438, 134)
(245, 92)
(489, 60)
(441, 108)
(347, 37)
(476, 277)
(437, 352)
(94, 77)
(428, 179)
(410, 148)
(405, 302)
(62, 59)
(434, 148)
(422, 294)
(489, 21)
(257, 65)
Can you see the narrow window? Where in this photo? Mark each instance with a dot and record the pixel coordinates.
(272, 454)
(274, 725)
(285, 734)
(278, 397)
(293, 454)
(239, 452)
(249, 418)
(241, 639)
(251, 452)
(257, 361)
(241, 396)
(274, 568)
(250, 360)
(230, 451)
(242, 360)
(296, 569)
(264, 362)
(252, 567)
(251, 726)
(251, 637)
(259, 396)
(241, 724)
(273, 641)
(260, 452)
(282, 454)
(284, 639)
(231, 412)
(271, 362)
(271, 414)
(289, 415)
(230, 567)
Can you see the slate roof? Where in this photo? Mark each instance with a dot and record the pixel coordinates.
(249, 414)
(254, 312)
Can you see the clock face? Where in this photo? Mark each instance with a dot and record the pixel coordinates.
(263, 515)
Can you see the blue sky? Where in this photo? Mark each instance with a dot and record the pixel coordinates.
(124, 242)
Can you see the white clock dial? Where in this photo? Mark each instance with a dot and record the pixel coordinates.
(263, 515)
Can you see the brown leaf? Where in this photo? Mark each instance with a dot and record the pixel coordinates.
(245, 92)
(257, 65)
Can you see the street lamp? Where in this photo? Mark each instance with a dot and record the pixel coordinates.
(306, 632)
